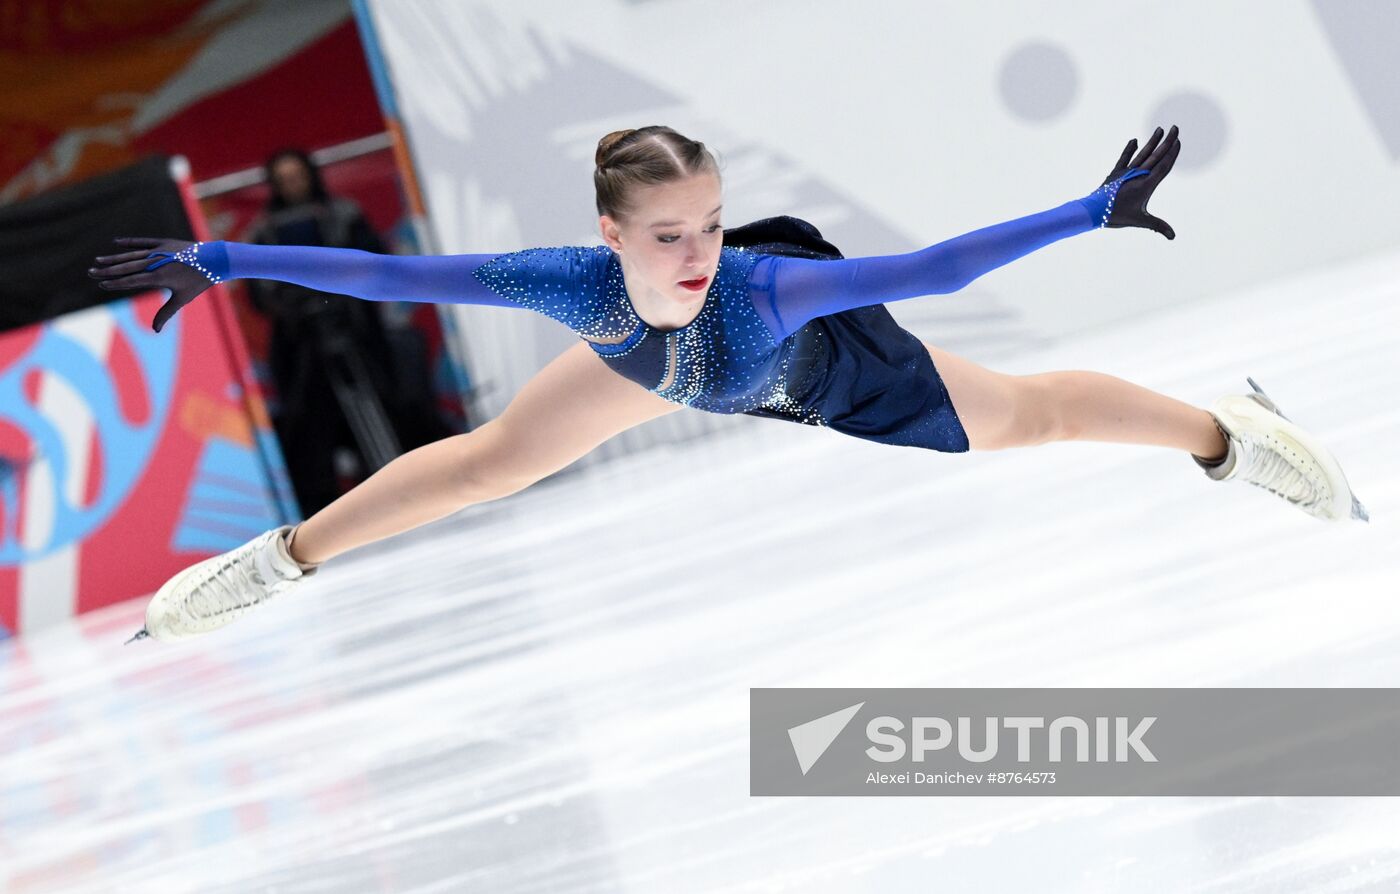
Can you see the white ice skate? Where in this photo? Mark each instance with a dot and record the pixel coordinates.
(1268, 450)
(218, 591)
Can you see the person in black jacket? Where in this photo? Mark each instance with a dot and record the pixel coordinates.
(340, 388)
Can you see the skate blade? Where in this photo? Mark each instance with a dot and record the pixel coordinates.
(1263, 398)
(140, 634)
(1358, 511)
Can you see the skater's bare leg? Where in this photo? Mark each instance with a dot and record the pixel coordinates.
(571, 406)
(1000, 411)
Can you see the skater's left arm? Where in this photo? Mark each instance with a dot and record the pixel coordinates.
(793, 291)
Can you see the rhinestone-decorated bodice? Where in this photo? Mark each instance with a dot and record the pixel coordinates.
(726, 360)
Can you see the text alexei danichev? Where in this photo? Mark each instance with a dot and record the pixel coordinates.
(954, 777)
(957, 777)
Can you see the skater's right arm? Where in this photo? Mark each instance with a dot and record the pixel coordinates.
(187, 269)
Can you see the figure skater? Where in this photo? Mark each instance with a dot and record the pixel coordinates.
(672, 311)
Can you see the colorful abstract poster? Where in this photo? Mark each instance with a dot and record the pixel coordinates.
(125, 455)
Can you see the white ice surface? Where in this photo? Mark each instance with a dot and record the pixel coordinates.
(550, 693)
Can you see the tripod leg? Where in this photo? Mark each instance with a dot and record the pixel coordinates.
(358, 400)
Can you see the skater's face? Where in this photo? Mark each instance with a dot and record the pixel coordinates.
(671, 237)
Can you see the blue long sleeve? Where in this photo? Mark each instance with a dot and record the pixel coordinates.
(361, 274)
(797, 290)
(571, 284)
(789, 292)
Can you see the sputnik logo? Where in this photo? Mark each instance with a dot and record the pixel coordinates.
(810, 740)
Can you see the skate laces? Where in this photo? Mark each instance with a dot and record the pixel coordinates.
(227, 586)
(1266, 466)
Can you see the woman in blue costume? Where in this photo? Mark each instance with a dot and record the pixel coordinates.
(672, 311)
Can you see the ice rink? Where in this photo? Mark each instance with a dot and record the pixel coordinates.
(550, 692)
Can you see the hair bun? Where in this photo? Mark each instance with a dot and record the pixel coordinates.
(643, 156)
(607, 144)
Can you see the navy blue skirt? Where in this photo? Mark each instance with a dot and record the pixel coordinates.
(859, 371)
(866, 376)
